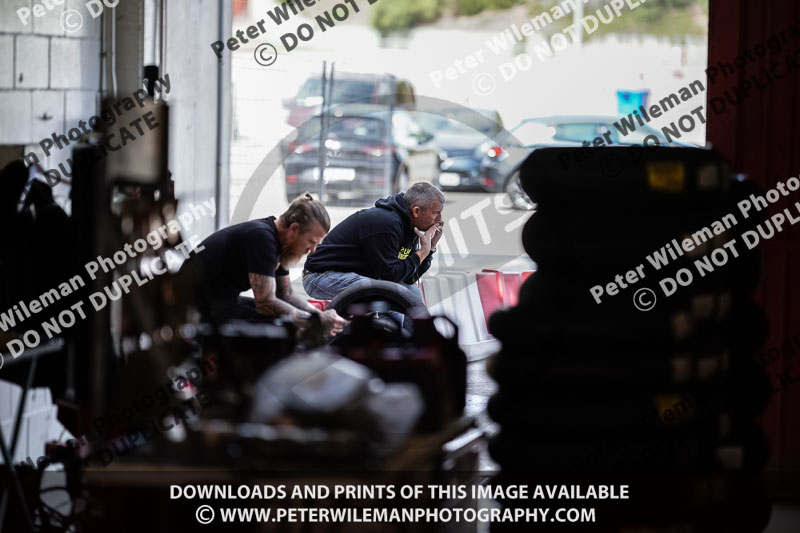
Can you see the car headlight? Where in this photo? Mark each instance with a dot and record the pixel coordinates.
(443, 155)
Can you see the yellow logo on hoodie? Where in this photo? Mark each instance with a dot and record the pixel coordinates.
(403, 253)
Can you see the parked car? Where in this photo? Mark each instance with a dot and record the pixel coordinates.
(348, 88)
(457, 134)
(357, 153)
(499, 169)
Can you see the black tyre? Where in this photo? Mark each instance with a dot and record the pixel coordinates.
(586, 330)
(547, 293)
(553, 372)
(396, 297)
(627, 173)
(589, 413)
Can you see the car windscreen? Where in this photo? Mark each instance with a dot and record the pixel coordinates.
(356, 128)
(580, 132)
(439, 124)
(534, 132)
(455, 121)
(344, 91)
(529, 133)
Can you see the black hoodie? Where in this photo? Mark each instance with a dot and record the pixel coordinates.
(378, 242)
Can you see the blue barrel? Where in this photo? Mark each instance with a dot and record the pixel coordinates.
(627, 101)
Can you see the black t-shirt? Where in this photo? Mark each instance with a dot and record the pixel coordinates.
(232, 253)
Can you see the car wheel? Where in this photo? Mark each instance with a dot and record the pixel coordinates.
(517, 197)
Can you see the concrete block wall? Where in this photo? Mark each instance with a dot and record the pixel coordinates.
(193, 71)
(49, 80)
(49, 77)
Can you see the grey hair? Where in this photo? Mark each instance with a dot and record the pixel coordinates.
(423, 195)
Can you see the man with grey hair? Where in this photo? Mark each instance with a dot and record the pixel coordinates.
(393, 241)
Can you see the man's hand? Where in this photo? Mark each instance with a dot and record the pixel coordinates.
(424, 243)
(428, 239)
(439, 226)
(331, 322)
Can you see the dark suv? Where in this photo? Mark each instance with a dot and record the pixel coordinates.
(361, 162)
(349, 88)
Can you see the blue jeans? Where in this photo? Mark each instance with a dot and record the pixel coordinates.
(326, 285)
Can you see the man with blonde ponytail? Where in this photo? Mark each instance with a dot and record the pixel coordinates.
(256, 255)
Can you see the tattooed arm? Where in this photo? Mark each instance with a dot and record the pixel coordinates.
(267, 302)
(285, 293)
(331, 321)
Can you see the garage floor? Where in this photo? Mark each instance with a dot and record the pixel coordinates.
(785, 518)
(479, 388)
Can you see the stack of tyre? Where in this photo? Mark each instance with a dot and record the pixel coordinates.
(659, 376)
